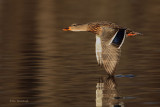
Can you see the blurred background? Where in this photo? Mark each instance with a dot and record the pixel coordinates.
(42, 66)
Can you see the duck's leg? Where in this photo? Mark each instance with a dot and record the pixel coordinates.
(98, 50)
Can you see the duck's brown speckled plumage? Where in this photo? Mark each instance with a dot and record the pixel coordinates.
(107, 54)
(95, 27)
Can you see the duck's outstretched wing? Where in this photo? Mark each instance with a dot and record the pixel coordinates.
(111, 42)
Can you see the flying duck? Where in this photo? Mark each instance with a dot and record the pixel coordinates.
(109, 39)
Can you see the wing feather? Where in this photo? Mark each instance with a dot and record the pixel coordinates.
(98, 50)
(110, 56)
(110, 50)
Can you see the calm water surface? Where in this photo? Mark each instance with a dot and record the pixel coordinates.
(42, 66)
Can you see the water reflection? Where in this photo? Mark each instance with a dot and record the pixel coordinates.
(107, 93)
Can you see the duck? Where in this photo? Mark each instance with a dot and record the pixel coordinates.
(109, 40)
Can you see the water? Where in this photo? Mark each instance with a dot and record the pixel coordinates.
(42, 66)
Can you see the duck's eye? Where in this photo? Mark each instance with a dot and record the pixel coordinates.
(74, 24)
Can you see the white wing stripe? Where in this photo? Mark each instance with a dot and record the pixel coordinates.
(98, 50)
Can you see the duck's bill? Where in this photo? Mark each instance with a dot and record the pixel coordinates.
(67, 29)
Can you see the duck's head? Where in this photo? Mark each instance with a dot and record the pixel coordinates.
(77, 27)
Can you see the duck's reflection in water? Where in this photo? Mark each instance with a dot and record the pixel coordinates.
(107, 94)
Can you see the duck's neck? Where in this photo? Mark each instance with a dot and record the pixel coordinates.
(83, 28)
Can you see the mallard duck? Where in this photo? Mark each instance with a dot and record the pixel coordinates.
(109, 39)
